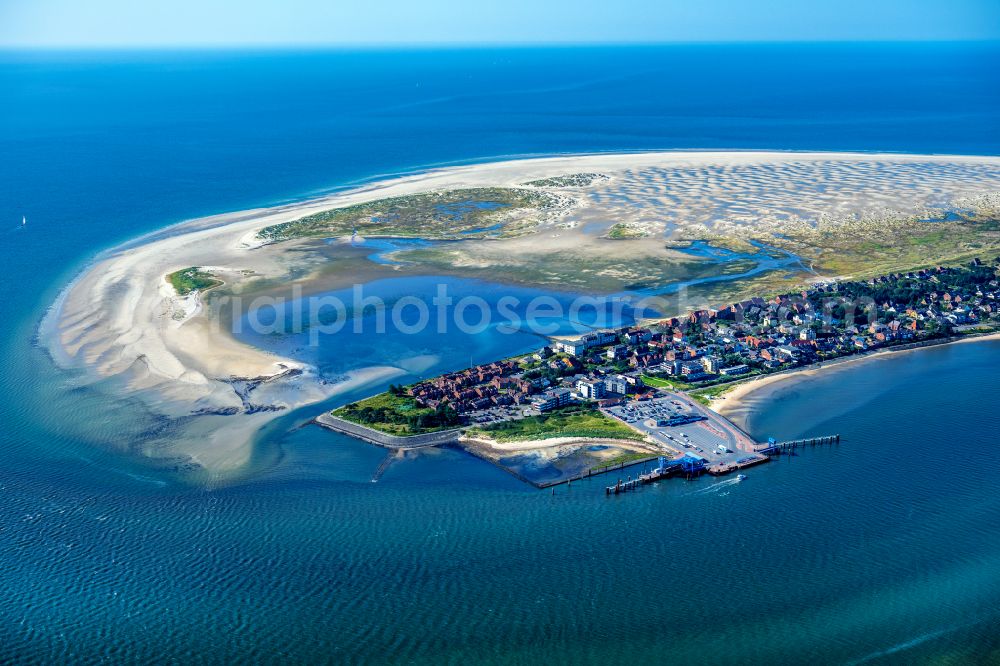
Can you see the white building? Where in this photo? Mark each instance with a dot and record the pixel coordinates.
(616, 384)
(583, 343)
(590, 390)
(710, 364)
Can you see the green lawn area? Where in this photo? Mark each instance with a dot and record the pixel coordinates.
(572, 421)
(705, 395)
(658, 382)
(192, 279)
(397, 415)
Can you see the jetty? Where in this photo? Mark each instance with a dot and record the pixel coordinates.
(692, 467)
(390, 457)
(591, 472)
(685, 466)
(729, 467)
(773, 448)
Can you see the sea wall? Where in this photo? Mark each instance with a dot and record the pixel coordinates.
(389, 441)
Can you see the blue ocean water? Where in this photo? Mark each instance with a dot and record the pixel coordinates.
(473, 329)
(884, 549)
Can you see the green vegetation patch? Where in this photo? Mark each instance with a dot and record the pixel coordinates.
(659, 382)
(623, 459)
(571, 421)
(396, 413)
(572, 180)
(868, 247)
(452, 214)
(192, 279)
(985, 329)
(707, 394)
(685, 241)
(622, 231)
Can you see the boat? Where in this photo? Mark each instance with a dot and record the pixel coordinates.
(741, 477)
(24, 221)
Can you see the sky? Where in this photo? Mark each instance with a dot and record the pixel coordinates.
(226, 23)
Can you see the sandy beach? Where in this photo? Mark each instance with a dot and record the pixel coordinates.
(573, 456)
(738, 404)
(121, 319)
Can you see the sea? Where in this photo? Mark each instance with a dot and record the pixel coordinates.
(882, 549)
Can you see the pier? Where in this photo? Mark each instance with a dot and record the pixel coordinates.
(750, 460)
(693, 467)
(777, 448)
(622, 486)
(686, 466)
(593, 471)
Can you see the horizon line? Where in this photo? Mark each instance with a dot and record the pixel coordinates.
(478, 45)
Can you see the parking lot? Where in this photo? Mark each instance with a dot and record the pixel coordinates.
(706, 436)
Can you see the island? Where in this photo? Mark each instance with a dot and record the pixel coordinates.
(716, 236)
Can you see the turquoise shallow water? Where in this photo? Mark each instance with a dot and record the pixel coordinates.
(884, 548)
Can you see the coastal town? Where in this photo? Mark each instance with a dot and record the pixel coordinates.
(700, 353)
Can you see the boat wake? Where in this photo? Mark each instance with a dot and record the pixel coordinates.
(905, 645)
(717, 487)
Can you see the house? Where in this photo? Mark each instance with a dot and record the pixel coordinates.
(543, 353)
(734, 370)
(787, 352)
(636, 335)
(617, 352)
